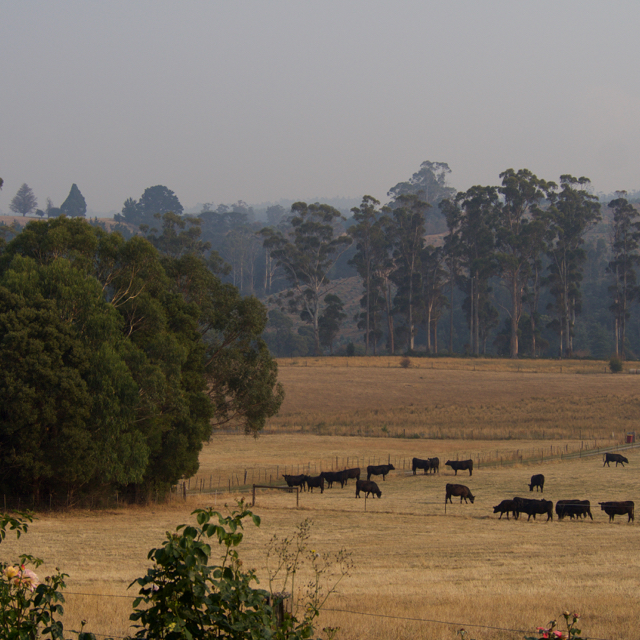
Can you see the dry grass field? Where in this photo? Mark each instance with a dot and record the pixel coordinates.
(419, 572)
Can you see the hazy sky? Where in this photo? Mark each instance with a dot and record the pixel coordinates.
(268, 99)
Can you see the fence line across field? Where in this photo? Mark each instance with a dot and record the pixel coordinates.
(268, 475)
(347, 611)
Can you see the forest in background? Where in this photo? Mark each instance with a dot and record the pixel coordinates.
(449, 274)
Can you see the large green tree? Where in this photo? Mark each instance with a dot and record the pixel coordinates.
(127, 358)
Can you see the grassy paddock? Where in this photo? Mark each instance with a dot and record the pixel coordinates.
(446, 398)
(411, 559)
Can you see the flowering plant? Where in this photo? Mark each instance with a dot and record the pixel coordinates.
(551, 630)
(29, 608)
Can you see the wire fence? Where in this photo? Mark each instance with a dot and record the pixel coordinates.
(243, 479)
(451, 623)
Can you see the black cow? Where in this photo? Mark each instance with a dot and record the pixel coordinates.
(537, 481)
(379, 470)
(458, 490)
(506, 506)
(417, 463)
(533, 508)
(296, 481)
(331, 477)
(367, 486)
(460, 465)
(350, 473)
(614, 457)
(435, 465)
(573, 509)
(618, 509)
(317, 481)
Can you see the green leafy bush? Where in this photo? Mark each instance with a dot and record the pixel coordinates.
(183, 596)
(615, 364)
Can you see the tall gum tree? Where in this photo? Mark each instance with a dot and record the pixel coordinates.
(307, 252)
(625, 257)
(522, 193)
(407, 229)
(572, 211)
(366, 234)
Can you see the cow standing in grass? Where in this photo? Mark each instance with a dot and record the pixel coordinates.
(367, 486)
(460, 465)
(537, 481)
(379, 470)
(316, 482)
(296, 481)
(458, 490)
(614, 457)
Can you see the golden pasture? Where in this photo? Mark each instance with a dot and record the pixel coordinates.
(419, 572)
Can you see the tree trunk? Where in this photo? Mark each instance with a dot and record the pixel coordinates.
(389, 318)
(514, 317)
(451, 317)
(476, 322)
(366, 338)
(428, 328)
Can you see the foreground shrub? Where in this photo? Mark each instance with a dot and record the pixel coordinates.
(183, 597)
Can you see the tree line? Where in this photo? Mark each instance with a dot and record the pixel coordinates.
(513, 252)
(526, 267)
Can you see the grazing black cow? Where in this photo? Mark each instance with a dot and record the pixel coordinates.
(460, 465)
(618, 509)
(614, 457)
(435, 465)
(506, 506)
(367, 486)
(379, 470)
(296, 481)
(331, 477)
(537, 481)
(350, 473)
(533, 508)
(573, 509)
(417, 463)
(458, 490)
(317, 481)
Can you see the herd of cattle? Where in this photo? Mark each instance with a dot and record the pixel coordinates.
(530, 507)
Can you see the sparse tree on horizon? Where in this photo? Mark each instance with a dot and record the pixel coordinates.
(24, 202)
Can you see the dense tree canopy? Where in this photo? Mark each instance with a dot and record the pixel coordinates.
(74, 206)
(117, 361)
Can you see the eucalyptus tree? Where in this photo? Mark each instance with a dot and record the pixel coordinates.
(306, 252)
(371, 251)
(407, 230)
(516, 232)
(331, 320)
(470, 243)
(625, 241)
(433, 281)
(572, 211)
